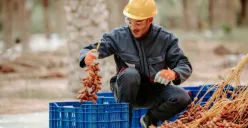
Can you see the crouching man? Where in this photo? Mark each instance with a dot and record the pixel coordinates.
(148, 60)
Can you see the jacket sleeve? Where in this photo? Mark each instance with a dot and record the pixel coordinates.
(177, 61)
(106, 48)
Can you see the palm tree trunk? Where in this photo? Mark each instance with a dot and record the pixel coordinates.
(211, 13)
(7, 23)
(243, 12)
(46, 18)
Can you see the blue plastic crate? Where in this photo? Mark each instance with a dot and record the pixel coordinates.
(105, 114)
(194, 90)
(137, 113)
(105, 94)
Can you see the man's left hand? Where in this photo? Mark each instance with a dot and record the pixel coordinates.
(165, 76)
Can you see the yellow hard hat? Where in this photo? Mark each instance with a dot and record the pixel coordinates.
(140, 9)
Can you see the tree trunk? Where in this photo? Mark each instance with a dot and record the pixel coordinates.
(24, 25)
(189, 14)
(86, 23)
(16, 23)
(46, 18)
(225, 12)
(27, 23)
(243, 12)
(211, 13)
(7, 23)
(185, 8)
(60, 17)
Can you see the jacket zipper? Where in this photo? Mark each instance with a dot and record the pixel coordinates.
(145, 65)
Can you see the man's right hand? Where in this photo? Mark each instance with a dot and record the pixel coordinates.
(165, 76)
(91, 57)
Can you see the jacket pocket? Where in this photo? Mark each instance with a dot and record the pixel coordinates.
(156, 64)
(130, 60)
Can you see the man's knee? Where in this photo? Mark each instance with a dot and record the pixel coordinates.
(173, 106)
(180, 98)
(182, 101)
(129, 76)
(128, 82)
(185, 99)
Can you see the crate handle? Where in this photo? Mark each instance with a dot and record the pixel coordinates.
(56, 104)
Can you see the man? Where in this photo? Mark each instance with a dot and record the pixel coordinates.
(148, 60)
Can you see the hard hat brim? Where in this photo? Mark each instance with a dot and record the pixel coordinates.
(137, 17)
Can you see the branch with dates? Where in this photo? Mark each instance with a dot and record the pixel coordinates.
(91, 84)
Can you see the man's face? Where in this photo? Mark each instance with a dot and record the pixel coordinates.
(139, 27)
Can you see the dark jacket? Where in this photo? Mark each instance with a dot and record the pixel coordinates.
(156, 51)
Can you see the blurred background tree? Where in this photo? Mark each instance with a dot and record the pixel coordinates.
(16, 19)
(83, 29)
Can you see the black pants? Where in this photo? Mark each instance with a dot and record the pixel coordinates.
(162, 102)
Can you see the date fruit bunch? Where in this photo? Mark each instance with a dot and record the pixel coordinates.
(91, 84)
(193, 112)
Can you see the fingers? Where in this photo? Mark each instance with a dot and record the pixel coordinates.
(95, 54)
(157, 76)
(160, 79)
(164, 76)
(162, 82)
(165, 82)
(95, 62)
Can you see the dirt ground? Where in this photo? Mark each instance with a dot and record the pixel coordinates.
(21, 106)
(19, 95)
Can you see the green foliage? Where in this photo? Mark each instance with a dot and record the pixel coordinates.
(1, 24)
(238, 21)
(226, 28)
